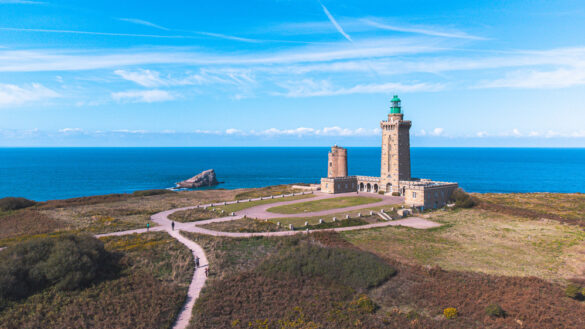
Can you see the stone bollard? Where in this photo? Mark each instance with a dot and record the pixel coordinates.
(359, 214)
(346, 216)
(306, 223)
(233, 213)
(224, 203)
(392, 209)
(237, 201)
(320, 220)
(249, 200)
(272, 196)
(371, 213)
(278, 224)
(335, 219)
(382, 210)
(291, 227)
(222, 211)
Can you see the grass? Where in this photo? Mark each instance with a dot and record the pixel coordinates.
(481, 241)
(365, 215)
(245, 225)
(251, 279)
(99, 214)
(564, 207)
(193, 215)
(148, 292)
(323, 204)
(245, 205)
(266, 191)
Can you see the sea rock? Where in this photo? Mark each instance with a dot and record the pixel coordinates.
(206, 178)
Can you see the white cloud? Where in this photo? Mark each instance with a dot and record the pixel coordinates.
(143, 22)
(70, 130)
(335, 24)
(533, 79)
(311, 88)
(422, 30)
(145, 78)
(516, 132)
(482, 134)
(233, 131)
(143, 96)
(11, 95)
(24, 2)
(437, 132)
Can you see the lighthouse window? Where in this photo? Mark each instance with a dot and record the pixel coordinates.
(414, 195)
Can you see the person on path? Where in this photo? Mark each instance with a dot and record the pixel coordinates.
(197, 262)
(147, 227)
(173, 225)
(206, 271)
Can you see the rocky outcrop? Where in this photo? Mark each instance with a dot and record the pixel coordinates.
(206, 178)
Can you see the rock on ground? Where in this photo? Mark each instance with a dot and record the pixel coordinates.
(206, 178)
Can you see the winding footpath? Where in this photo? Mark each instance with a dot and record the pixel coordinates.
(260, 212)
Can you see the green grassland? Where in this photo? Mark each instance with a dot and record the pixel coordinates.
(323, 204)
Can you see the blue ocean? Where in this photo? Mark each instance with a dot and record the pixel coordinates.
(56, 173)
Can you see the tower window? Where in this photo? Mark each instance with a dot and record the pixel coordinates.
(414, 195)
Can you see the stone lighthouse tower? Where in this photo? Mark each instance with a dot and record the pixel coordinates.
(395, 165)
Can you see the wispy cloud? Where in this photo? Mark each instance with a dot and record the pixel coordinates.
(534, 79)
(145, 78)
(70, 130)
(143, 22)
(142, 96)
(24, 2)
(311, 88)
(11, 95)
(229, 37)
(334, 22)
(424, 31)
(300, 132)
(151, 78)
(97, 33)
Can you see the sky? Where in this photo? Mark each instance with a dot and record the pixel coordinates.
(291, 73)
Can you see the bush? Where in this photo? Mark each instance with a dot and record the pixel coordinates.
(462, 199)
(450, 312)
(358, 269)
(12, 203)
(574, 291)
(365, 304)
(66, 262)
(152, 192)
(395, 193)
(495, 310)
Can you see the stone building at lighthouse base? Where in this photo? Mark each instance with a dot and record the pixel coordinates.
(395, 178)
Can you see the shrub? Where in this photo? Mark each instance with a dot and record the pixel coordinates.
(574, 291)
(66, 262)
(495, 310)
(358, 269)
(462, 199)
(395, 193)
(365, 304)
(152, 192)
(11, 203)
(450, 312)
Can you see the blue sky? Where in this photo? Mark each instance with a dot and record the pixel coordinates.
(306, 73)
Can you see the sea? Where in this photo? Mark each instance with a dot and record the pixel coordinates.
(56, 173)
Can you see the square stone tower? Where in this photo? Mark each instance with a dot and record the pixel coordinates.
(337, 164)
(395, 149)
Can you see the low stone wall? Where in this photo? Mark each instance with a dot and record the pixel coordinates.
(339, 184)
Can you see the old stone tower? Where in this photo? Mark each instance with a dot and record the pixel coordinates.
(395, 165)
(337, 162)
